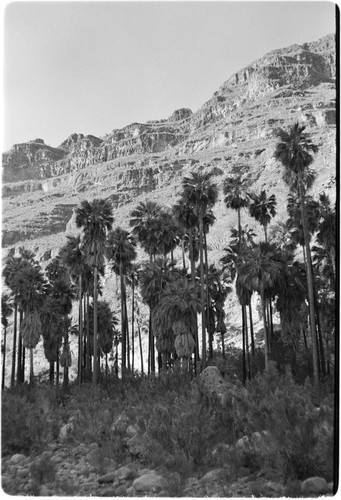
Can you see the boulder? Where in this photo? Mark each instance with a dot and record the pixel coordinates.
(212, 482)
(314, 486)
(256, 442)
(149, 483)
(65, 432)
(17, 458)
(193, 488)
(137, 445)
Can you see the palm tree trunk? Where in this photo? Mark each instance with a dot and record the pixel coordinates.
(123, 323)
(309, 282)
(266, 355)
(210, 337)
(319, 332)
(80, 338)
(4, 360)
(15, 326)
(95, 375)
(268, 324)
(89, 367)
(183, 254)
(23, 364)
(152, 347)
(140, 342)
(202, 291)
(51, 372)
(244, 350)
(247, 346)
(85, 347)
(127, 331)
(57, 368)
(223, 345)
(251, 330)
(132, 326)
(19, 354)
(31, 367)
(271, 319)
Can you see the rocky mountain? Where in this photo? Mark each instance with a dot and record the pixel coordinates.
(234, 131)
(237, 126)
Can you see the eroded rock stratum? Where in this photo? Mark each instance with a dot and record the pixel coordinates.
(237, 126)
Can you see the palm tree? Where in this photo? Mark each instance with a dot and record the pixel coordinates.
(199, 192)
(262, 209)
(143, 221)
(236, 198)
(154, 277)
(6, 312)
(186, 217)
(33, 291)
(258, 271)
(96, 219)
(73, 257)
(294, 150)
(133, 282)
(13, 273)
(121, 252)
(61, 293)
(175, 313)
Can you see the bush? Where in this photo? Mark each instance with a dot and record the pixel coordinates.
(293, 447)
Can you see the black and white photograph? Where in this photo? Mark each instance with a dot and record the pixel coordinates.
(170, 249)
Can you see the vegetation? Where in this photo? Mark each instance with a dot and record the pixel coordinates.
(285, 376)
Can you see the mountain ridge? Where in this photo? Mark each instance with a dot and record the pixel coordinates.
(237, 125)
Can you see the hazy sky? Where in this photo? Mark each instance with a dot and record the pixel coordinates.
(90, 67)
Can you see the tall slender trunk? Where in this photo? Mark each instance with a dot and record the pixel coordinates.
(140, 342)
(15, 327)
(123, 323)
(31, 367)
(57, 367)
(183, 254)
(89, 367)
(51, 372)
(23, 364)
(247, 346)
(80, 337)
(95, 374)
(19, 354)
(192, 262)
(149, 344)
(202, 290)
(271, 319)
(4, 360)
(266, 355)
(244, 346)
(210, 337)
(251, 329)
(223, 345)
(127, 331)
(309, 282)
(85, 346)
(132, 325)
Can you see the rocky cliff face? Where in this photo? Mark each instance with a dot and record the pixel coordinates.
(42, 184)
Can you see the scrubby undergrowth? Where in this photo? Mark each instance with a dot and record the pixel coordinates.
(179, 427)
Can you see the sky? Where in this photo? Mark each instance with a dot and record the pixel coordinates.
(91, 67)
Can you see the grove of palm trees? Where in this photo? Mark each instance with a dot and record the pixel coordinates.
(257, 416)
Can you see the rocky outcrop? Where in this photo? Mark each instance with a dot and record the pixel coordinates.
(30, 160)
(237, 126)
